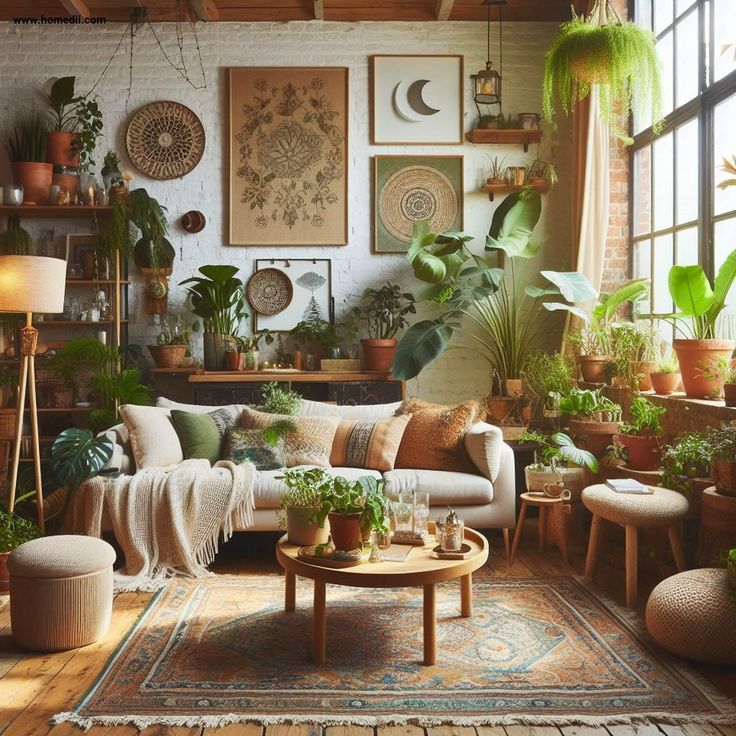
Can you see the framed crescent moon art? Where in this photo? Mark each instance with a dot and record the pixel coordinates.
(417, 100)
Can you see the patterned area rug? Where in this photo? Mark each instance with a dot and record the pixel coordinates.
(537, 651)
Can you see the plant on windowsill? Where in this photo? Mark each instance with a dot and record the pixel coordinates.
(687, 460)
(593, 418)
(642, 438)
(666, 378)
(722, 443)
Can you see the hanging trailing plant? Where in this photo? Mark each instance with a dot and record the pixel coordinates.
(621, 58)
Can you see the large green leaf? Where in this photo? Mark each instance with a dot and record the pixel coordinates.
(565, 307)
(724, 281)
(573, 285)
(421, 344)
(609, 303)
(568, 450)
(62, 92)
(220, 274)
(77, 455)
(436, 258)
(690, 290)
(513, 223)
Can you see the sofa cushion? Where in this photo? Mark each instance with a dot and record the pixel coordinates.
(250, 446)
(122, 452)
(152, 436)
(483, 444)
(310, 444)
(198, 434)
(433, 439)
(268, 485)
(164, 403)
(445, 488)
(368, 443)
(309, 408)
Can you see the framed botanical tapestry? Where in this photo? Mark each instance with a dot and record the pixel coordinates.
(288, 156)
(417, 99)
(411, 188)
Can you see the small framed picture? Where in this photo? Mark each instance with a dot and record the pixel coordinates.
(80, 257)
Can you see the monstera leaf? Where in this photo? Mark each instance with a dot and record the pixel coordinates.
(77, 455)
(573, 454)
(513, 224)
(436, 258)
(423, 342)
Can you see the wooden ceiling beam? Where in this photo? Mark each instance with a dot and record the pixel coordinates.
(205, 10)
(319, 9)
(76, 7)
(443, 8)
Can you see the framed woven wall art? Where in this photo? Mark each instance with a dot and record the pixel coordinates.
(412, 188)
(288, 156)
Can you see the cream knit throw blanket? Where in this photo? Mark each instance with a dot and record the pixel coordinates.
(167, 520)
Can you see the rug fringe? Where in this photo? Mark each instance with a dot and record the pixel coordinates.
(217, 721)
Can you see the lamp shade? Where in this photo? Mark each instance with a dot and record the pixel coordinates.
(32, 284)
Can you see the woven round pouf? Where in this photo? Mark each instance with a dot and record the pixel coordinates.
(693, 615)
(60, 592)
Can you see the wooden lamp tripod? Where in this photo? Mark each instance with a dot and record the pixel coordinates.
(30, 284)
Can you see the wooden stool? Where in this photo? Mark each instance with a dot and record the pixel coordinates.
(663, 508)
(545, 506)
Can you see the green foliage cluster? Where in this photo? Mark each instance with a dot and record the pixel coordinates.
(549, 373)
(645, 418)
(218, 298)
(559, 447)
(384, 311)
(15, 241)
(722, 442)
(26, 137)
(280, 399)
(250, 344)
(668, 365)
(688, 458)
(15, 530)
(587, 403)
(320, 331)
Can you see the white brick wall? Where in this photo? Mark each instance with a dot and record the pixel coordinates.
(28, 56)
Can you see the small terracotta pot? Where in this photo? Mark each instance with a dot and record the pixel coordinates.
(35, 179)
(697, 356)
(665, 383)
(724, 476)
(233, 360)
(729, 391)
(499, 407)
(4, 574)
(303, 532)
(642, 369)
(593, 368)
(62, 148)
(645, 452)
(345, 530)
(378, 355)
(596, 436)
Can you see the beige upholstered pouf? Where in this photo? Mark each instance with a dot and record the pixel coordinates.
(693, 614)
(60, 592)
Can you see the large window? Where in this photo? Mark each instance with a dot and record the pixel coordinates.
(678, 213)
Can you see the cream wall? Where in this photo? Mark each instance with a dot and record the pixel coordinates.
(29, 55)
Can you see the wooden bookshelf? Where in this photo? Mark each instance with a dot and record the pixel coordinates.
(50, 211)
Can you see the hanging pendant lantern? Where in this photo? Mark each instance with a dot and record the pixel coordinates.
(487, 82)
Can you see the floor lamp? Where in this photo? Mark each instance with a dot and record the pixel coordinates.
(30, 284)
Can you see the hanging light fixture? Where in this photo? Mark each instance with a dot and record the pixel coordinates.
(487, 82)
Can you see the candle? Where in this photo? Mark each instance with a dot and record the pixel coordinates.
(91, 196)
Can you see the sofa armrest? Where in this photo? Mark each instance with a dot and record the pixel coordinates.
(122, 452)
(483, 443)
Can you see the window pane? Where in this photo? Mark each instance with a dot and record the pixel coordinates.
(665, 49)
(641, 266)
(687, 58)
(687, 172)
(724, 242)
(682, 5)
(687, 247)
(725, 34)
(662, 14)
(663, 181)
(644, 14)
(662, 302)
(724, 146)
(642, 191)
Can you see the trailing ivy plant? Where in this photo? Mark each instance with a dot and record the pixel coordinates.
(619, 57)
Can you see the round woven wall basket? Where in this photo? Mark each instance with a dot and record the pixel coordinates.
(165, 140)
(269, 291)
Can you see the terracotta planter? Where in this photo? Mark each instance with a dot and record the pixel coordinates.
(697, 357)
(233, 360)
(595, 436)
(729, 391)
(167, 356)
(4, 574)
(665, 383)
(642, 369)
(724, 476)
(514, 387)
(67, 180)
(345, 530)
(35, 179)
(303, 532)
(62, 148)
(378, 355)
(593, 368)
(645, 452)
(499, 407)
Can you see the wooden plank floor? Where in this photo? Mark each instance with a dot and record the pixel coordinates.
(34, 687)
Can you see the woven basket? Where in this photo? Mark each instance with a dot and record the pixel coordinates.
(7, 424)
(167, 356)
(591, 69)
(339, 365)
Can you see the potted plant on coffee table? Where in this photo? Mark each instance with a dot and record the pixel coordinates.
(14, 531)
(722, 443)
(642, 437)
(666, 378)
(299, 504)
(593, 417)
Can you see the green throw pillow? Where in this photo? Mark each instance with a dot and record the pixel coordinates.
(199, 435)
(249, 445)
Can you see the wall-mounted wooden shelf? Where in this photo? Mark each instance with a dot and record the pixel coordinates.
(493, 189)
(75, 323)
(99, 282)
(504, 136)
(49, 211)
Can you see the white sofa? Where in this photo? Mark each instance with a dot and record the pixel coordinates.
(486, 500)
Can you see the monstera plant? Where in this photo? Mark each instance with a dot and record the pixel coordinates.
(491, 305)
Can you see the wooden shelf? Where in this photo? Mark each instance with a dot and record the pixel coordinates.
(508, 136)
(104, 282)
(493, 189)
(287, 377)
(182, 371)
(75, 323)
(49, 211)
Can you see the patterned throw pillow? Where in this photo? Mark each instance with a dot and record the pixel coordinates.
(433, 439)
(310, 444)
(249, 445)
(371, 444)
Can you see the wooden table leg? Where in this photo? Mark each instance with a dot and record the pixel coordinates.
(517, 532)
(430, 625)
(632, 554)
(560, 527)
(466, 595)
(507, 544)
(319, 635)
(590, 560)
(676, 543)
(289, 591)
(542, 528)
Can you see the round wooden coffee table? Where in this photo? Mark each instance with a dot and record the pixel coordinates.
(419, 568)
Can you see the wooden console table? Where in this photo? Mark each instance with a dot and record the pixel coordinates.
(222, 387)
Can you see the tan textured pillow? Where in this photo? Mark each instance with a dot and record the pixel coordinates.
(309, 445)
(153, 438)
(433, 439)
(371, 444)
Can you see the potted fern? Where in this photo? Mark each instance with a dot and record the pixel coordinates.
(619, 57)
(666, 378)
